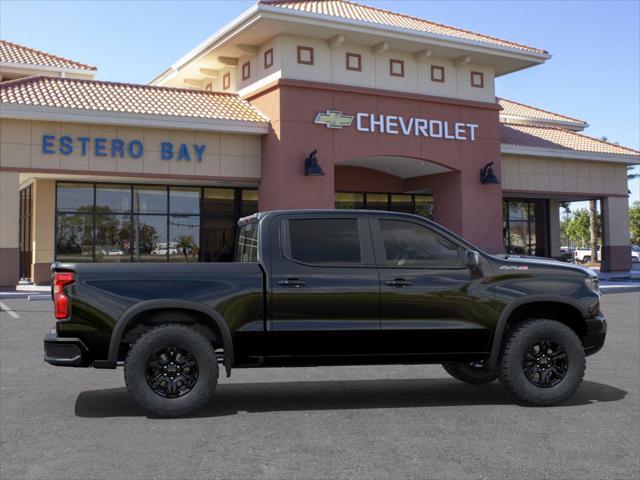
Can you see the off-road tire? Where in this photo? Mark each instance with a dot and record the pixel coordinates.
(151, 341)
(468, 373)
(511, 370)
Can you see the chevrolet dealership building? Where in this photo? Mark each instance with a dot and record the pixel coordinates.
(401, 111)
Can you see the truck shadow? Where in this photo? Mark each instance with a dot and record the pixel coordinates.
(231, 398)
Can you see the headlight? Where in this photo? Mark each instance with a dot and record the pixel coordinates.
(593, 284)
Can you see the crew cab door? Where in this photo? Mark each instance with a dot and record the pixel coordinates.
(430, 302)
(324, 287)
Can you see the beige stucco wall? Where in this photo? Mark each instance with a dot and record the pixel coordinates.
(330, 67)
(44, 201)
(9, 209)
(563, 175)
(226, 155)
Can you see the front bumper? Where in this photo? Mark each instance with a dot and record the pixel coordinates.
(66, 352)
(596, 333)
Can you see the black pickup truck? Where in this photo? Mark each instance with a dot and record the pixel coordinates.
(334, 287)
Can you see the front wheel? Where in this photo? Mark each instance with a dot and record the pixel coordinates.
(543, 362)
(476, 373)
(171, 370)
(586, 259)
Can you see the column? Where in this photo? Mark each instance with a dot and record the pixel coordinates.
(44, 201)
(616, 255)
(9, 222)
(554, 228)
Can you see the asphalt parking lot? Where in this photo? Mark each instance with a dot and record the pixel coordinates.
(338, 422)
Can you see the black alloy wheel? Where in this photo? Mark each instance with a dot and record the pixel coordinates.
(172, 372)
(545, 363)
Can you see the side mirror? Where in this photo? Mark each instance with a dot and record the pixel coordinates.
(471, 259)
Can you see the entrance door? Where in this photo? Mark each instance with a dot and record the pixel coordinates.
(430, 302)
(325, 295)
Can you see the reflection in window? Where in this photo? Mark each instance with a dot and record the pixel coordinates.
(408, 203)
(74, 239)
(150, 199)
(247, 248)
(408, 244)
(377, 201)
(150, 239)
(525, 227)
(184, 200)
(184, 237)
(113, 198)
(72, 196)
(148, 223)
(113, 238)
(401, 203)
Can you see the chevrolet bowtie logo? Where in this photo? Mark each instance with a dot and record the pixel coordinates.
(333, 119)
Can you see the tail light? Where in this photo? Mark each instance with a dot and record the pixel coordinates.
(61, 304)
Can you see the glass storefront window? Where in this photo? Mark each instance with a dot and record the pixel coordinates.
(113, 198)
(424, 206)
(219, 225)
(402, 203)
(184, 236)
(150, 199)
(74, 197)
(525, 227)
(150, 239)
(74, 239)
(113, 238)
(100, 222)
(377, 201)
(350, 200)
(249, 204)
(184, 200)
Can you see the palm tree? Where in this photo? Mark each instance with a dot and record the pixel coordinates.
(593, 230)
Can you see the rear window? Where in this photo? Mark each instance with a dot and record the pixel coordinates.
(247, 249)
(325, 241)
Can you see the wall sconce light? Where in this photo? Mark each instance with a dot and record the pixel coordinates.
(487, 177)
(311, 167)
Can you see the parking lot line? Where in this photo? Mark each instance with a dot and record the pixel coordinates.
(11, 313)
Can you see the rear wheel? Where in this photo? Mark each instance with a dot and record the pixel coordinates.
(171, 370)
(543, 362)
(586, 259)
(476, 373)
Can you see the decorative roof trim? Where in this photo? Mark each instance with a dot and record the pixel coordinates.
(568, 119)
(78, 65)
(533, 122)
(508, 149)
(275, 3)
(76, 115)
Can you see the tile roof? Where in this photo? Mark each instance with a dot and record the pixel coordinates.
(14, 53)
(101, 96)
(558, 139)
(517, 109)
(354, 11)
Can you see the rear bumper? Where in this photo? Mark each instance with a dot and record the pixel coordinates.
(596, 333)
(65, 352)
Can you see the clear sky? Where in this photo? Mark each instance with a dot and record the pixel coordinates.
(594, 74)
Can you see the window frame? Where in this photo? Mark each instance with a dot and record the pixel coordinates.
(357, 56)
(380, 250)
(435, 68)
(308, 49)
(367, 257)
(226, 81)
(246, 71)
(393, 61)
(268, 58)
(480, 75)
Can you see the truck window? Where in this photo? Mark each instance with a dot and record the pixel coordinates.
(408, 244)
(325, 241)
(247, 249)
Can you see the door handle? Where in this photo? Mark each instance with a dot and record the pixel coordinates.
(398, 282)
(292, 282)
